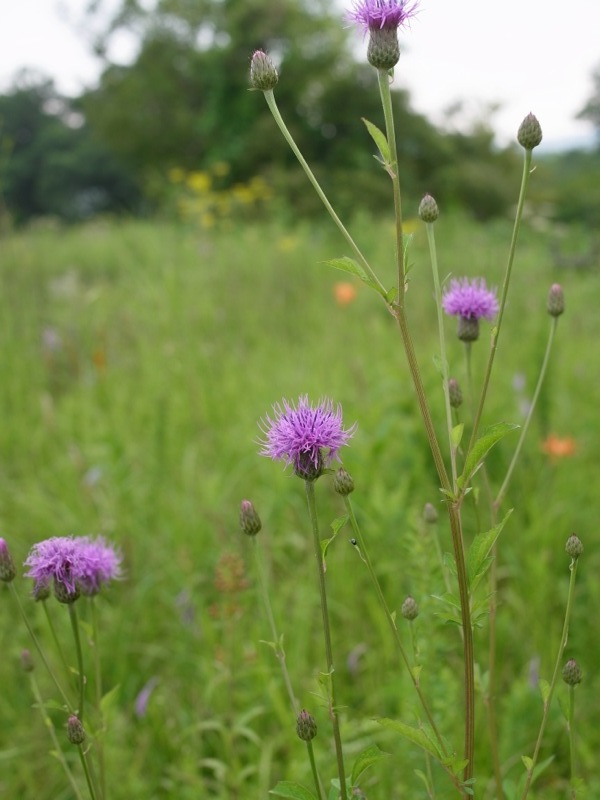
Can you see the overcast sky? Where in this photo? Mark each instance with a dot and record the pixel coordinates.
(528, 55)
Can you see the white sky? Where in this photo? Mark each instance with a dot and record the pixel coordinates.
(528, 55)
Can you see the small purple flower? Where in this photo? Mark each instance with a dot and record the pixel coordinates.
(72, 565)
(390, 14)
(470, 299)
(309, 437)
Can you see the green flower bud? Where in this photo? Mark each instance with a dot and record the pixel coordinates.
(306, 727)
(410, 609)
(7, 565)
(571, 673)
(263, 74)
(343, 483)
(75, 730)
(468, 329)
(455, 393)
(574, 547)
(556, 300)
(383, 51)
(430, 514)
(529, 134)
(428, 209)
(249, 520)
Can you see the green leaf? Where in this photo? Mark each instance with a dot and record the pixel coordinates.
(365, 760)
(380, 140)
(293, 790)
(109, 701)
(478, 560)
(415, 735)
(347, 264)
(527, 761)
(456, 434)
(482, 446)
(338, 524)
(544, 689)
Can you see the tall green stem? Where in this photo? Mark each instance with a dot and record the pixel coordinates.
(548, 698)
(525, 428)
(270, 98)
(98, 691)
(388, 113)
(507, 274)
(77, 638)
(312, 510)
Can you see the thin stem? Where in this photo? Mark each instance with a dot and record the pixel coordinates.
(525, 428)
(388, 113)
(279, 651)
(57, 643)
(98, 692)
(41, 653)
(87, 772)
(312, 510)
(50, 727)
(507, 274)
(76, 636)
(571, 727)
(315, 773)
(548, 699)
(270, 98)
(440, 317)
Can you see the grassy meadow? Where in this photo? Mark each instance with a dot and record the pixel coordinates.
(136, 360)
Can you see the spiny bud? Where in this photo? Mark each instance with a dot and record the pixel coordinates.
(306, 727)
(305, 467)
(26, 661)
(75, 730)
(574, 547)
(63, 594)
(529, 134)
(343, 483)
(468, 329)
(556, 300)
(455, 393)
(410, 609)
(263, 74)
(383, 51)
(428, 209)
(7, 565)
(430, 514)
(572, 673)
(249, 520)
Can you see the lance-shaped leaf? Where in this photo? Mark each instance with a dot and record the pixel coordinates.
(481, 448)
(416, 735)
(380, 140)
(478, 558)
(292, 790)
(365, 760)
(349, 265)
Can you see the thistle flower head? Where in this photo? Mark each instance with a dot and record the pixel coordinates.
(308, 437)
(391, 14)
(306, 726)
(72, 565)
(263, 73)
(7, 565)
(470, 299)
(249, 520)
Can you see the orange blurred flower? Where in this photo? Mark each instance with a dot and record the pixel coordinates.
(344, 293)
(557, 447)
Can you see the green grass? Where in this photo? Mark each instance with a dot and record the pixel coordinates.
(136, 360)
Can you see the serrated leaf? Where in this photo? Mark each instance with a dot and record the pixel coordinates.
(292, 790)
(365, 760)
(338, 524)
(478, 559)
(380, 140)
(349, 265)
(481, 448)
(544, 689)
(415, 735)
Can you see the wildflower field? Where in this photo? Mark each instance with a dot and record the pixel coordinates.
(137, 360)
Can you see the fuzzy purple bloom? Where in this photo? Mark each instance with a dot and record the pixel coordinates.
(308, 437)
(389, 14)
(470, 299)
(72, 565)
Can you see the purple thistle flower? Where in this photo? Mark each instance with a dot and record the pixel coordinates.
(72, 565)
(470, 299)
(309, 437)
(390, 14)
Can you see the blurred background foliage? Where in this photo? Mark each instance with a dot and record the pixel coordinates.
(182, 108)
